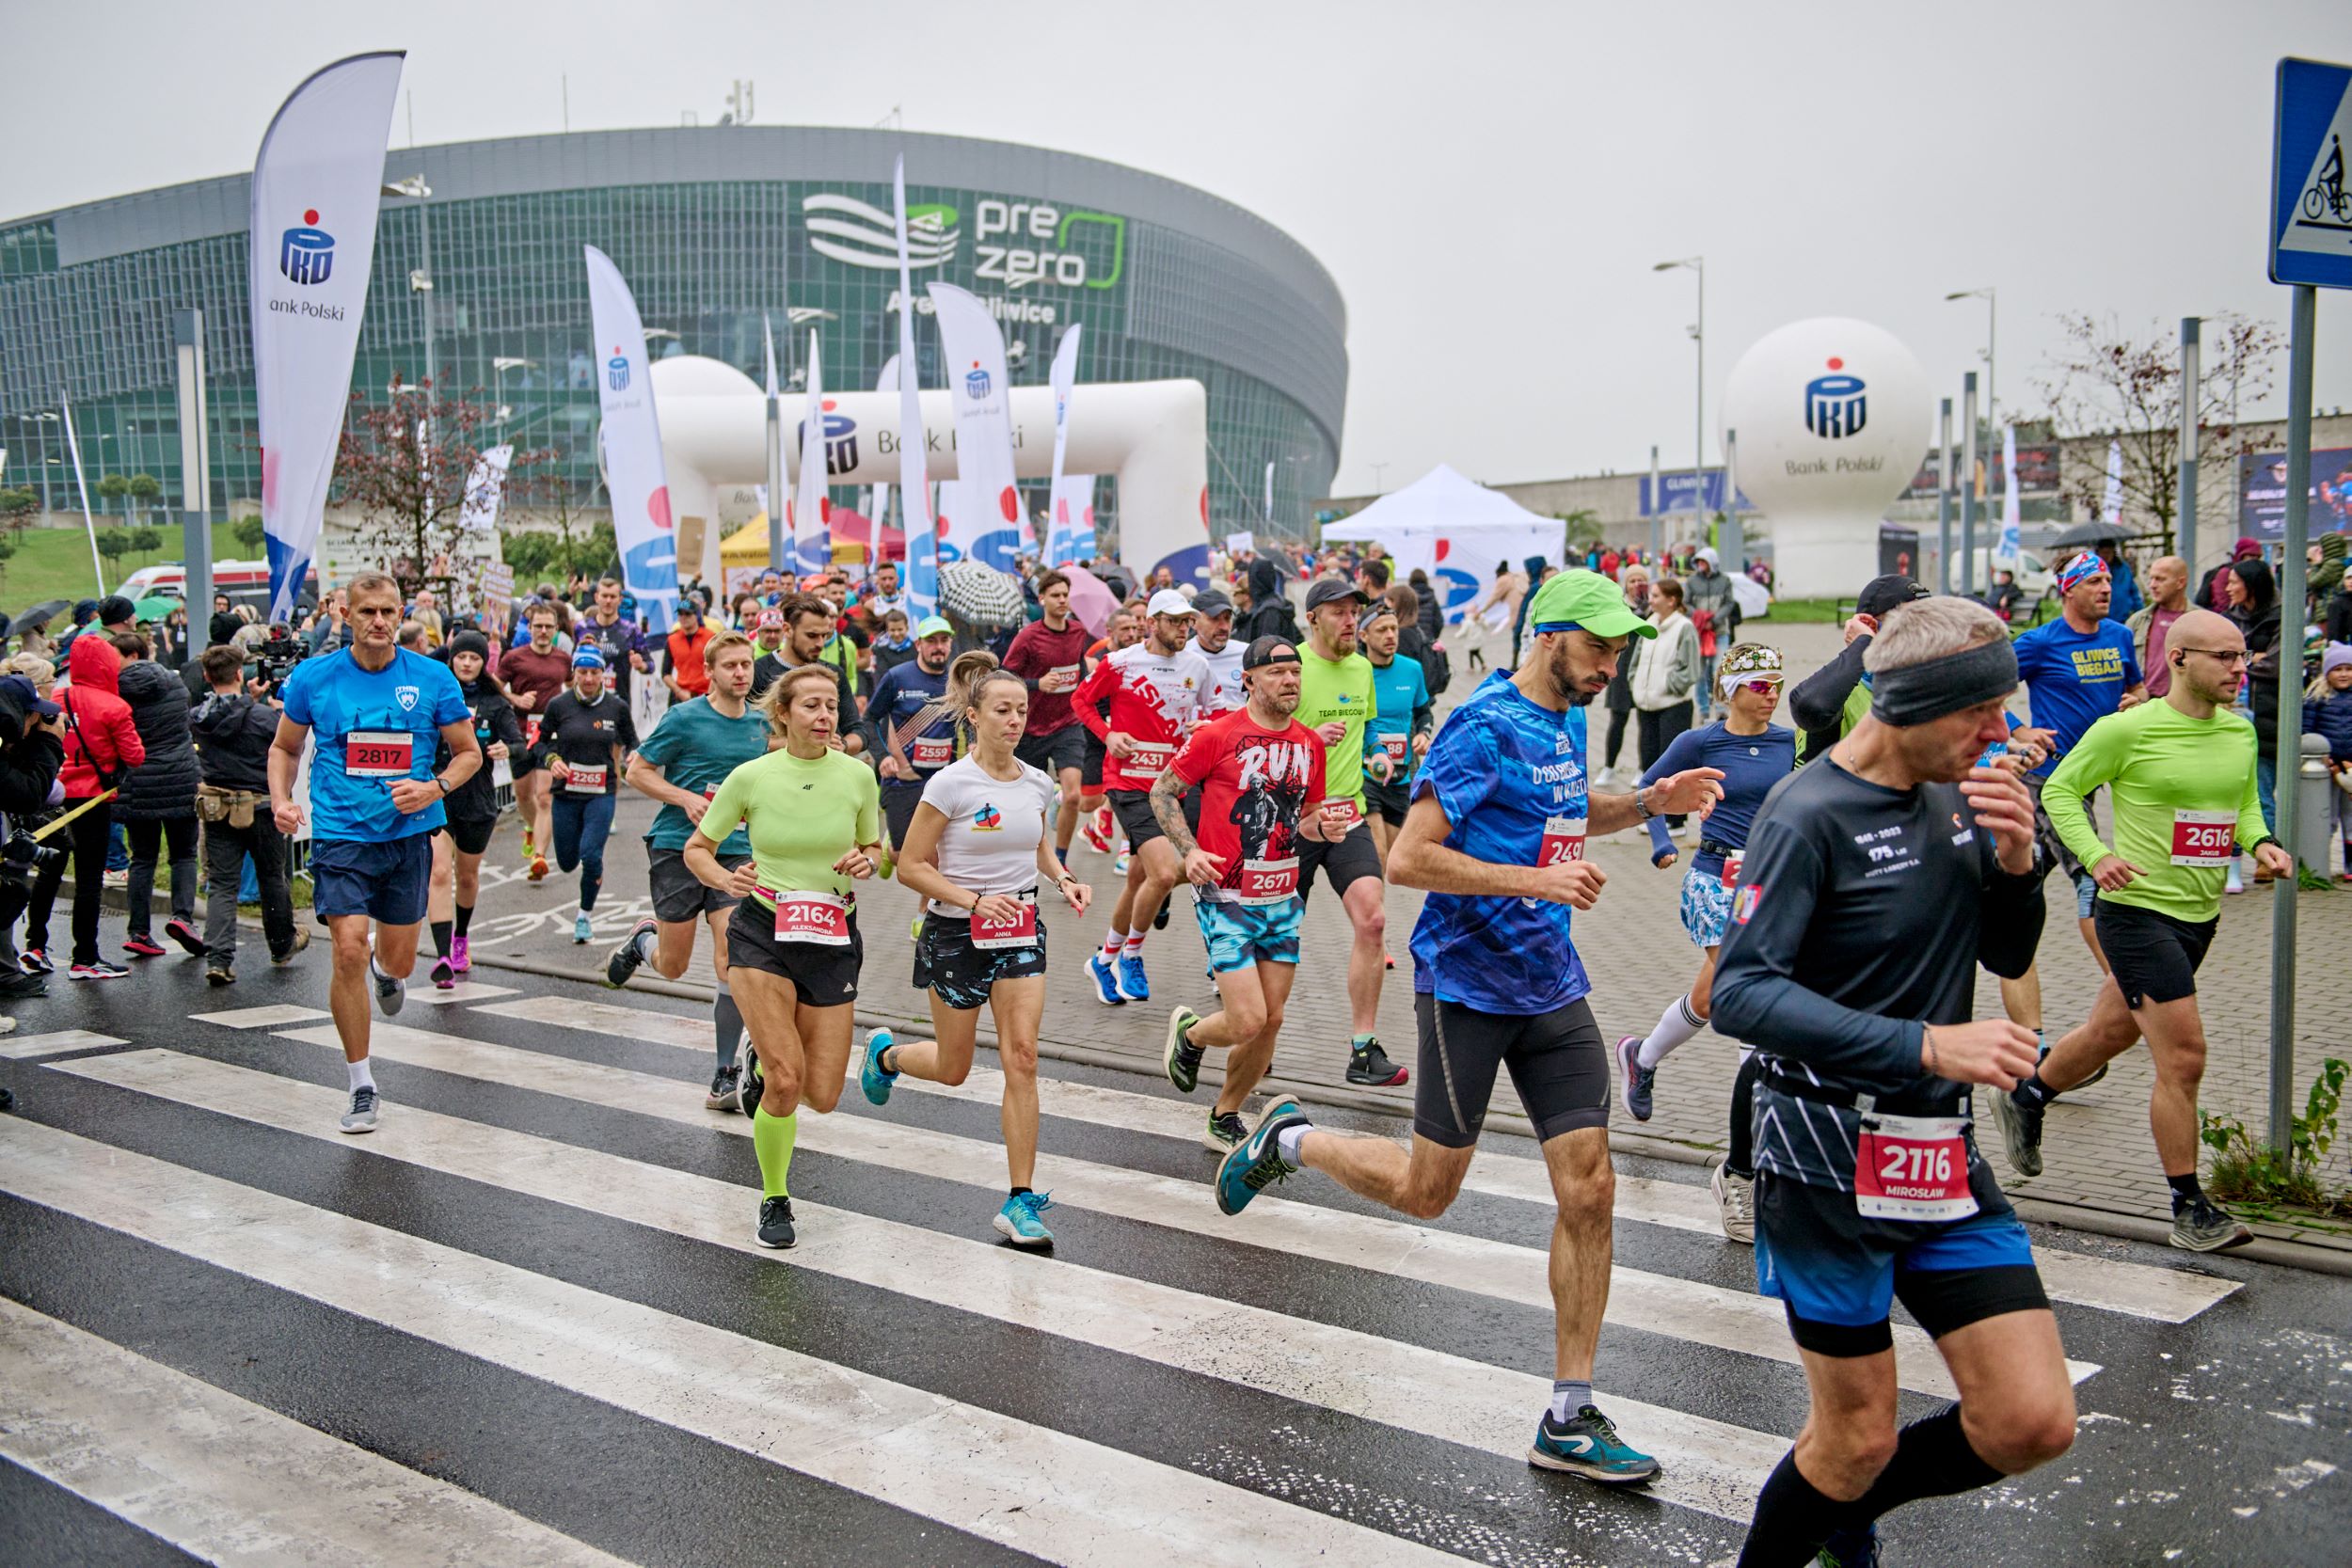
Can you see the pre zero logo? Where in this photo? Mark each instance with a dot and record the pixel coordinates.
(306, 254)
(1834, 406)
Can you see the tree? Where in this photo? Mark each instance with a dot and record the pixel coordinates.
(9, 543)
(113, 544)
(114, 487)
(146, 489)
(2107, 381)
(17, 507)
(404, 466)
(250, 534)
(145, 539)
(575, 543)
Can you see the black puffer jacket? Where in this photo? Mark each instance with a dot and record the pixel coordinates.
(1270, 613)
(165, 784)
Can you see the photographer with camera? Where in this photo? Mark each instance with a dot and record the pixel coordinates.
(234, 725)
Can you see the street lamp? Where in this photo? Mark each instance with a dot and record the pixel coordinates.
(499, 365)
(421, 280)
(1699, 423)
(1992, 401)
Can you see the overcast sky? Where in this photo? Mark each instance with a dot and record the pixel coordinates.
(1489, 184)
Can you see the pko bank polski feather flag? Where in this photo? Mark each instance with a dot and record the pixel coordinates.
(633, 474)
(986, 524)
(317, 182)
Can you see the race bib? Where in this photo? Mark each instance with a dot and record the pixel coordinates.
(1912, 1168)
(1341, 811)
(1267, 881)
(530, 729)
(379, 753)
(1151, 757)
(2203, 838)
(819, 918)
(584, 780)
(933, 750)
(1396, 745)
(1564, 841)
(1731, 867)
(1064, 676)
(996, 935)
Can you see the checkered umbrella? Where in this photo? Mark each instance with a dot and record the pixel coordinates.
(981, 596)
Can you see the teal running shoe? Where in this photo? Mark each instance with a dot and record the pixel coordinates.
(870, 1076)
(1257, 1162)
(1018, 1219)
(584, 930)
(1589, 1446)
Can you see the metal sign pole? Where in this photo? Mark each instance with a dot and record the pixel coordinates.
(1943, 504)
(2289, 656)
(195, 510)
(2185, 542)
(1968, 486)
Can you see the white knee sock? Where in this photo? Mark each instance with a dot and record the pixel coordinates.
(1675, 1025)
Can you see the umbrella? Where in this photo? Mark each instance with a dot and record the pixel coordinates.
(42, 614)
(981, 594)
(2096, 531)
(155, 607)
(1090, 600)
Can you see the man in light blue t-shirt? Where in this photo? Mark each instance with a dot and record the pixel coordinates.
(375, 710)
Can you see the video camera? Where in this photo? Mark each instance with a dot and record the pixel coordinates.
(277, 656)
(22, 855)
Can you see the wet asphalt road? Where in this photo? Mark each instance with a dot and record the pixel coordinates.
(530, 1289)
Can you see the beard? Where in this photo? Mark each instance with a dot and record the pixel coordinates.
(1279, 703)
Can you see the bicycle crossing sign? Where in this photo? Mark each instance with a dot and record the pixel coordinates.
(2311, 206)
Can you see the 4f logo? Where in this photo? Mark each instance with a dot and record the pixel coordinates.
(1834, 406)
(307, 254)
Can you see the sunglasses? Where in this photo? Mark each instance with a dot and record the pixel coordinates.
(1762, 688)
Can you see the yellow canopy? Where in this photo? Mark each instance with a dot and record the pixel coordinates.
(748, 546)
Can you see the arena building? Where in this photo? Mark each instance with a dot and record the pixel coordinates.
(714, 228)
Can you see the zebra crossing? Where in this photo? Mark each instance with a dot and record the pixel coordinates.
(549, 1237)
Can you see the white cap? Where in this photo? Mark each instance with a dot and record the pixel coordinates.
(1167, 601)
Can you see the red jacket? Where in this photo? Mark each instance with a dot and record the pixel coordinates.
(99, 731)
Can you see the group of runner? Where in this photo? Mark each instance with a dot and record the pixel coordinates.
(1841, 910)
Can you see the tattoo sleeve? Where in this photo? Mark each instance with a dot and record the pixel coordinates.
(1167, 809)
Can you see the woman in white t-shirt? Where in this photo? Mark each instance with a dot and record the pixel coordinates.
(976, 851)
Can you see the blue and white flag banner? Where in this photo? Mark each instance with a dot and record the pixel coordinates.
(1060, 541)
(988, 525)
(634, 477)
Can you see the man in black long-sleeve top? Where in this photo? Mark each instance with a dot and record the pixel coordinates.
(1875, 883)
(1826, 702)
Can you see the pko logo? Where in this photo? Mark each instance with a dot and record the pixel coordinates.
(1834, 404)
(840, 440)
(616, 369)
(306, 254)
(976, 382)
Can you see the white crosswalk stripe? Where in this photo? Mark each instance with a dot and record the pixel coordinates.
(1028, 1488)
(228, 1482)
(1660, 1303)
(25, 1048)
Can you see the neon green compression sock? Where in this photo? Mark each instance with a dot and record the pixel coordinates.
(772, 1138)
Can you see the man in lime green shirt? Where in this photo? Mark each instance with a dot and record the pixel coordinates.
(1335, 699)
(2182, 774)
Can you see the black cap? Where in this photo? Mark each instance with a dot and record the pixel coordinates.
(114, 607)
(1269, 650)
(1880, 594)
(1211, 601)
(22, 689)
(1330, 590)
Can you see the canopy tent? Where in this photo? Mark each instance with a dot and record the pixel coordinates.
(852, 534)
(1456, 531)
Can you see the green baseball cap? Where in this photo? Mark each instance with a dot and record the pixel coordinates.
(932, 625)
(1587, 600)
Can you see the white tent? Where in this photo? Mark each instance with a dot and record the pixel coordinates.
(1455, 529)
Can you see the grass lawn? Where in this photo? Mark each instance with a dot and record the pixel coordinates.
(54, 563)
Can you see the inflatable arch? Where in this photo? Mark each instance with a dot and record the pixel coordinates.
(1154, 435)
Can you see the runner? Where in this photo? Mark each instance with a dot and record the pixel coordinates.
(1335, 699)
(1497, 836)
(1213, 640)
(1094, 809)
(814, 818)
(692, 748)
(1397, 738)
(1260, 777)
(472, 809)
(1153, 690)
(809, 629)
(2181, 769)
(534, 676)
(585, 738)
(1049, 654)
(621, 641)
(1875, 881)
(1753, 754)
(766, 630)
(376, 802)
(976, 852)
(913, 723)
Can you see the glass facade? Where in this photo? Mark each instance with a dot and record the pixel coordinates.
(707, 260)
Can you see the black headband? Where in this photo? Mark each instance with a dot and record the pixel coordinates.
(1917, 693)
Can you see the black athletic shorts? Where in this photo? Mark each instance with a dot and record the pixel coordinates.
(900, 797)
(679, 895)
(1091, 764)
(824, 976)
(960, 974)
(471, 838)
(1050, 753)
(2153, 957)
(1387, 801)
(1557, 1062)
(2054, 849)
(1342, 864)
(1134, 809)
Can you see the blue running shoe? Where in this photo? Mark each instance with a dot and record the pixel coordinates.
(1634, 1081)
(1105, 978)
(1851, 1548)
(1589, 1446)
(1132, 985)
(1257, 1162)
(584, 930)
(1019, 1223)
(870, 1076)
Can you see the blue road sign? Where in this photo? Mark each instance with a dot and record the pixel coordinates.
(2311, 206)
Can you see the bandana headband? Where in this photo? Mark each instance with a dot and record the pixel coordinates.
(2084, 565)
(1918, 693)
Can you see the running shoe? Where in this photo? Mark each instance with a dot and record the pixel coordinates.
(190, 938)
(1101, 970)
(1019, 1223)
(1589, 1446)
(143, 946)
(1634, 1081)
(1388, 959)
(1735, 1201)
(391, 994)
(1256, 1163)
(1133, 983)
(870, 1076)
(750, 1087)
(301, 940)
(1369, 1065)
(1225, 1132)
(444, 975)
(1159, 920)
(218, 973)
(461, 956)
(1850, 1548)
(102, 970)
(2203, 1228)
(22, 985)
(361, 1116)
(1098, 836)
(1119, 866)
(37, 961)
(538, 869)
(2021, 1132)
(775, 1222)
(625, 957)
(584, 930)
(1179, 1058)
(724, 1084)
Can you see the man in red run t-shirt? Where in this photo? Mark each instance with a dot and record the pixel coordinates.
(1258, 769)
(1050, 655)
(532, 676)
